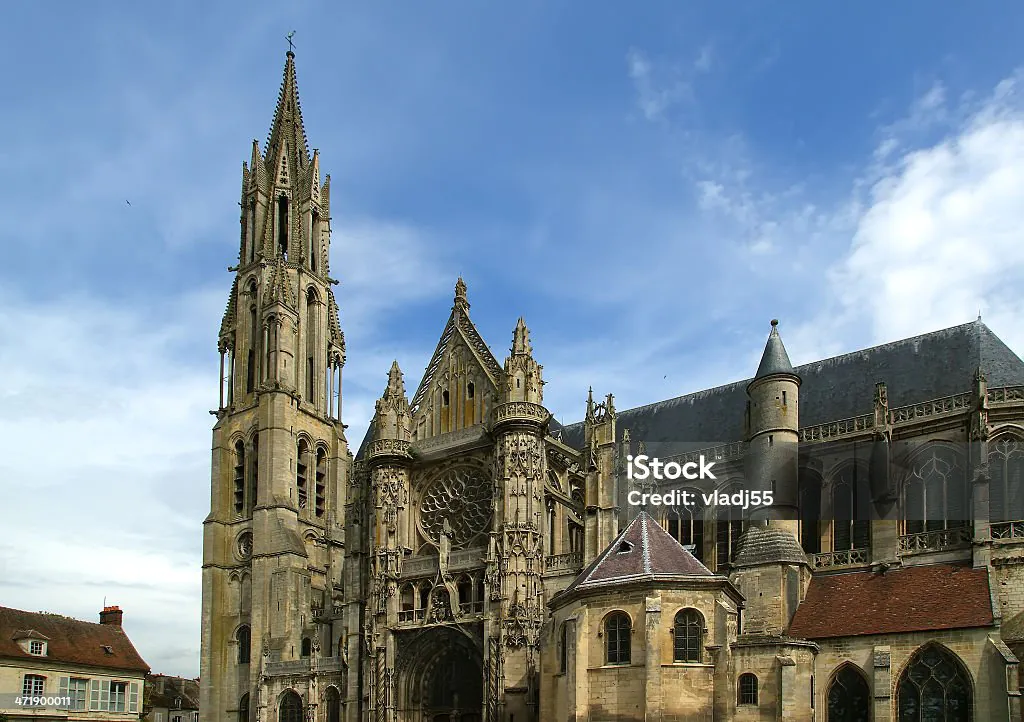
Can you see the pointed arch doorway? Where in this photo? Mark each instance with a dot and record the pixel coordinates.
(440, 676)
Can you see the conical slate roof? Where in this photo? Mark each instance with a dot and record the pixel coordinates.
(775, 360)
(643, 551)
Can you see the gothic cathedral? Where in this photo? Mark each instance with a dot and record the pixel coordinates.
(475, 561)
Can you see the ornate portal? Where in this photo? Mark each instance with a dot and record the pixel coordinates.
(462, 496)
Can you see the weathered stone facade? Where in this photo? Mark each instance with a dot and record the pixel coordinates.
(475, 560)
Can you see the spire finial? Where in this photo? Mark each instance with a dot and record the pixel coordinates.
(291, 45)
(775, 322)
(461, 301)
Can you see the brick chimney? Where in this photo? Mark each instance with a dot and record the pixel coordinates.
(111, 615)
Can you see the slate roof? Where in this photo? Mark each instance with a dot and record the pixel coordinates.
(174, 688)
(643, 551)
(915, 370)
(919, 598)
(774, 360)
(69, 640)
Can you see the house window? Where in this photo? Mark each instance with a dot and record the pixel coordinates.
(32, 686)
(74, 689)
(36, 647)
(118, 696)
(748, 689)
(688, 634)
(617, 629)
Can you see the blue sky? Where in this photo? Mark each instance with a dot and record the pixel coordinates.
(648, 186)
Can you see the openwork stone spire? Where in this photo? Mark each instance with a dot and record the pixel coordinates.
(287, 130)
(461, 302)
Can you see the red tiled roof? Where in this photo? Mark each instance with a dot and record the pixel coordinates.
(652, 553)
(69, 640)
(921, 598)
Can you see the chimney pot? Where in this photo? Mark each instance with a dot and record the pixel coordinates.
(111, 615)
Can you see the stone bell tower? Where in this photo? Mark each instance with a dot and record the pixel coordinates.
(273, 542)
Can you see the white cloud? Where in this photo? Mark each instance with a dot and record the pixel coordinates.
(656, 91)
(106, 478)
(940, 235)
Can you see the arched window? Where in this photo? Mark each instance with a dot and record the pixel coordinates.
(290, 709)
(809, 501)
(849, 699)
(850, 509)
(312, 337)
(320, 500)
(935, 493)
(686, 524)
(934, 686)
(282, 226)
(333, 701)
(254, 477)
(239, 477)
(307, 646)
(617, 630)
(301, 485)
(314, 240)
(728, 530)
(1006, 487)
(243, 708)
(250, 233)
(688, 636)
(244, 638)
(747, 689)
(250, 357)
(552, 527)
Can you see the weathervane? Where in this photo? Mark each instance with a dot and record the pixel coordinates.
(291, 45)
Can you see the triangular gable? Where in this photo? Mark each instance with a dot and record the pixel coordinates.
(459, 326)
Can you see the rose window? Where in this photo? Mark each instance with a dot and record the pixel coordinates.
(462, 496)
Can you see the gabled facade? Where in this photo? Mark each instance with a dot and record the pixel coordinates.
(68, 668)
(475, 560)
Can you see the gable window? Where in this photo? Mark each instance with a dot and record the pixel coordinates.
(618, 632)
(747, 689)
(688, 636)
(32, 685)
(37, 648)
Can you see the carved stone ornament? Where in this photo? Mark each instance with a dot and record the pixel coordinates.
(244, 546)
(462, 497)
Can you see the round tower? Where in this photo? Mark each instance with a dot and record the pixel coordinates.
(773, 426)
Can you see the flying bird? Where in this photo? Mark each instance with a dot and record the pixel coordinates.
(127, 201)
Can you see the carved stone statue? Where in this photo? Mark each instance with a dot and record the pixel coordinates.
(444, 549)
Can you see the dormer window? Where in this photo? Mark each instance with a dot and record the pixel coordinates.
(37, 648)
(107, 649)
(625, 548)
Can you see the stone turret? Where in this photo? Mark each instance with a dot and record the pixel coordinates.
(770, 557)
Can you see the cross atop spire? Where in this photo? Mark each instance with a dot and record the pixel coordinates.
(286, 130)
